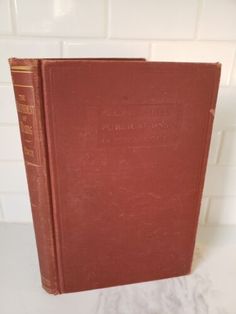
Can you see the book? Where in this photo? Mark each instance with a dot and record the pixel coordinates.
(115, 154)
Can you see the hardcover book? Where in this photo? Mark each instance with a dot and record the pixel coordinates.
(115, 154)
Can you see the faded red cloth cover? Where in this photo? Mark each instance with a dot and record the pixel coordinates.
(115, 154)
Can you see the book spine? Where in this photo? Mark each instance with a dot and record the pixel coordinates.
(27, 83)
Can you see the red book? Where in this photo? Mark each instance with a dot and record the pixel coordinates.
(115, 154)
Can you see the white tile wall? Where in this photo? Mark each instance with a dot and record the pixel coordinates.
(86, 18)
(218, 20)
(13, 178)
(233, 76)
(222, 211)
(1, 210)
(220, 181)
(16, 208)
(10, 140)
(5, 17)
(215, 147)
(184, 30)
(151, 19)
(197, 52)
(8, 112)
(203, 210)
(228, 149)
(226, 108)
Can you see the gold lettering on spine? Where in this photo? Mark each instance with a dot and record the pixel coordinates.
(19, 85)
(21, 97)
(28, 152)
(25, 109)
(25, 102)
(27, 129)
(21, 68)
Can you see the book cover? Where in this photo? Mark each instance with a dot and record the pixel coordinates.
(115, 154)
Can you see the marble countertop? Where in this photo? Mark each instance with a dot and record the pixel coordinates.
(210, 289)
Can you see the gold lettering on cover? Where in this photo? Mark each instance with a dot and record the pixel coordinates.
(140, 124)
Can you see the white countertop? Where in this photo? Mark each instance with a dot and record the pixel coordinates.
(210, 289)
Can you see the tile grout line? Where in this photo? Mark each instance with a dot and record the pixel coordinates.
(25, 193)
(219, 146)
(150, 50)
(108, 19)
(199, 12)
(9, 124)
(2, 218)
(208, 199)
(13, 16)
(61, 48)
(233, 66)
(49, 38)
(206, 220)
